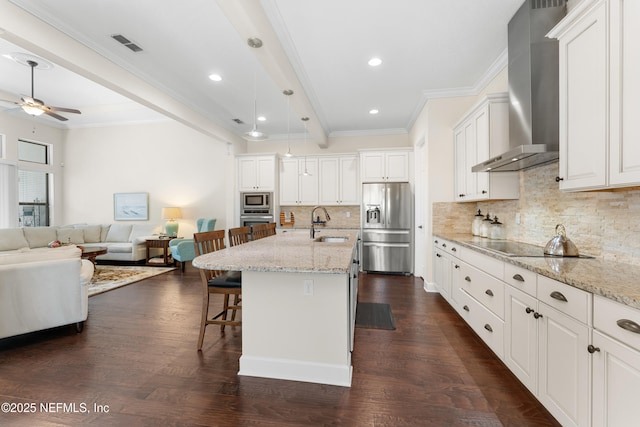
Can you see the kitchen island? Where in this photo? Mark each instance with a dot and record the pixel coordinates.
(298, 304)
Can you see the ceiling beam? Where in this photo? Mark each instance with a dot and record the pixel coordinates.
(25, 30)
(250, 20)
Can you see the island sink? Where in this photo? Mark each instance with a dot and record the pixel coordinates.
(332, 239)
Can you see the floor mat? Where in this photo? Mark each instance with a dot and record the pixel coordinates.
(374, 315)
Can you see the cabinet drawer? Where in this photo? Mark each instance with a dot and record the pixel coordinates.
(487, 325)
(488, 290)
(521, 279)
(571, 301)
(447, 246)
(485, 263)
(617, 320)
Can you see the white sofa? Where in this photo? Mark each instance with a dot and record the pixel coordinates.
(124, 242)
(41, 288)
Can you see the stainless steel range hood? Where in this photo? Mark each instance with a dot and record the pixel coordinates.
(533, 88)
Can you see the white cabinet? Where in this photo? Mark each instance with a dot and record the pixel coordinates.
(616, 363)
(481, 133)
(565, 367)
(338, 180)
(389, 166)
(298, 181)
(442, 273)
(599, 43)
(624, 150)
(256, 173)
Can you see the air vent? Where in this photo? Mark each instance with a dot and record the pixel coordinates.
(543, 4)
(238, 121)
(126, 42)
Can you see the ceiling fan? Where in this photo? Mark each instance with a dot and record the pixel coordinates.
(36, 107)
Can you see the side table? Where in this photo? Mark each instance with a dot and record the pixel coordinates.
(160, 243)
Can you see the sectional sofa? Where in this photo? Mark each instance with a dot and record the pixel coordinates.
(43, 287)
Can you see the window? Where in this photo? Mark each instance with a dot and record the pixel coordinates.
(33, 185)
(33, 152)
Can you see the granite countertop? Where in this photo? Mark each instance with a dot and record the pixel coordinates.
(613, 280)
(288, 251)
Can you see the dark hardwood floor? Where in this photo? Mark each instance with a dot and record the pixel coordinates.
(136, 364)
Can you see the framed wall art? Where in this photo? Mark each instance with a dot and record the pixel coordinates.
(131, 206)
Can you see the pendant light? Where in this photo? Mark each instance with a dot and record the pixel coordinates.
(254, 134)
(306, 172)
(288, 93)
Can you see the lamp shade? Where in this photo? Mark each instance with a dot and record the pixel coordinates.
(171, 213)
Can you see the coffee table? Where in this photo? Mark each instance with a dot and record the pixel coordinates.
(92, 252)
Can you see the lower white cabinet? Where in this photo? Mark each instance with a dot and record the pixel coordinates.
(565, 367)
(616, 363)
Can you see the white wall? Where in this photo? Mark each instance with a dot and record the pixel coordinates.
(175, 164)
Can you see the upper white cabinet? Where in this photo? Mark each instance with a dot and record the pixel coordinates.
(389, 166)
(338, 180)
(256, 173)
(599, 55)
(298, 181)
(483, 132)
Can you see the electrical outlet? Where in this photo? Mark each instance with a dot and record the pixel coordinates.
(348, 214)
(518, 218)
(308, 287)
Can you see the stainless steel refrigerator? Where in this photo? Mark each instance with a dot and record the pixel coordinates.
(387, 213)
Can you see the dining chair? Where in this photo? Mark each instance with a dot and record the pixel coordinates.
(225, 283)
(271, 229)
(239, 235)
(259, 231)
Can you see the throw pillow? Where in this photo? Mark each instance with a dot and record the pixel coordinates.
(12, 238)
(92, 233)
(39, 237)
(104, 230)
(119, 233)
(71, 235)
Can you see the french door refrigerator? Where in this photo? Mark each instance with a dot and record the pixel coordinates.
(386, 227)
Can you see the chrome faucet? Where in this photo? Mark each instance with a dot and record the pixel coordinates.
(313, 222)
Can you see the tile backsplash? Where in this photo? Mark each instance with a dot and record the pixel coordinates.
(339, 218)
(604, 223)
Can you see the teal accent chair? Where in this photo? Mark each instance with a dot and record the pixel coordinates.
(183, 250)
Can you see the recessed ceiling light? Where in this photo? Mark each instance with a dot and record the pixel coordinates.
(262, 118)
(215, 77)
(374, 62)
(374, 111)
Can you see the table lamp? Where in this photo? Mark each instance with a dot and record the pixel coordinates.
(171, 227)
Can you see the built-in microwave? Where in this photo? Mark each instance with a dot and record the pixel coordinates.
(258, 203)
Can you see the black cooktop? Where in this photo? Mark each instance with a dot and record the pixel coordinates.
(515, 249)
(508, 248)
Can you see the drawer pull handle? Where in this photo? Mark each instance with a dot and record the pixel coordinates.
(489, 292)
(518, 277)
(457, 266)
(454, 250)
(591, 349)
(537, 315)
(444, 245)
(435, 241)
(557, 295)
(467, 278)
(529, 310)
(466, 308)
(629, 325)
(439, 256)
(488, 327)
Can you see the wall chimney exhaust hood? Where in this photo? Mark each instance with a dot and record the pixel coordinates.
(533, 89)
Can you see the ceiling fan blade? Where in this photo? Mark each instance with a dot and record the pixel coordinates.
(64, 110)
(9, 102)
(54, 115)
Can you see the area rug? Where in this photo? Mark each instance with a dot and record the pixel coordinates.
(373, 315)
(108, 277)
